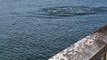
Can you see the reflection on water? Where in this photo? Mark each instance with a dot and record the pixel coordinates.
(68, 11)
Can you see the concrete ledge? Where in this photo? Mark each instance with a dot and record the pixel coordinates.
(89, 48)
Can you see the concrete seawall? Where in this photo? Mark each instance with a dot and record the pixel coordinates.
(89, 48)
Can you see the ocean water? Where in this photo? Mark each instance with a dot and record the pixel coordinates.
(38, 29)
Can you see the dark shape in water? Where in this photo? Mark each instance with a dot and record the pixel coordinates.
(66, 11)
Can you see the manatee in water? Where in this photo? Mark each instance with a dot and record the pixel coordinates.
(66, 11)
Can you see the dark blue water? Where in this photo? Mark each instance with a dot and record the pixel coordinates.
(38, 29)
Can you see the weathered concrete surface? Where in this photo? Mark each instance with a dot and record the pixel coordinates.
(89, 48)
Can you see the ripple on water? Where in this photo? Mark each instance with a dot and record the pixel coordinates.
(69, 11)
(61, 11)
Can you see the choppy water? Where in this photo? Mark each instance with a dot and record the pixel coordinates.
(38, 29)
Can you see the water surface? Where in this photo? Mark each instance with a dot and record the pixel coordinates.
(38, 29)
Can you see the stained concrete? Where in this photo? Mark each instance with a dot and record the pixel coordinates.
(89, 48)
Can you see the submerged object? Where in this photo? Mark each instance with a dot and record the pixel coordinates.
(66, 11)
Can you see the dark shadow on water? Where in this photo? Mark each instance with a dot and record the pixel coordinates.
(69, 11)
(61, 12)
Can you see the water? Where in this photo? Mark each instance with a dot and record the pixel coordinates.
(38, 29)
